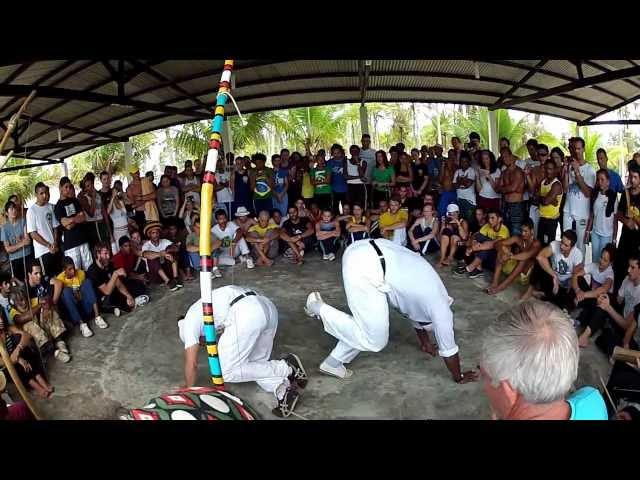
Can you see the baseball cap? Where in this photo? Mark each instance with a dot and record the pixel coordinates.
(452, 207)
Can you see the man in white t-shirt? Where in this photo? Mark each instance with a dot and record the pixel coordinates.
(42, 225)
(161, 257)
(578, 180)
(247, 323)
(233, 243)
(465, 181)
(556, 264)
(623, 327)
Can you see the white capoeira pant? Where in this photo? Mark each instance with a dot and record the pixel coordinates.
(81, 256)
(245, 346)
(240, 248)
(409, 284)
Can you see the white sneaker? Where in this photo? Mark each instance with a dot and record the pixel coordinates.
(85, 330)
(250, 263)
(141, 300)
(314, 302)
(101, 323)
(116, 312)
(332, 257)
(60, 345)
(325, 257)
(339, 372)
(216, 272)
(64, 357)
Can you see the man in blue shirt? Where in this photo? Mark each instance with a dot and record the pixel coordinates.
(338, 166)
(615, 182)
(529, 362)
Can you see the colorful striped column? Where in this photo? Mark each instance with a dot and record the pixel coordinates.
(206, 213)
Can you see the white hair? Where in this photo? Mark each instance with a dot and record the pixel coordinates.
(535, 348)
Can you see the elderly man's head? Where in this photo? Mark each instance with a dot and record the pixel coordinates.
(529, 357)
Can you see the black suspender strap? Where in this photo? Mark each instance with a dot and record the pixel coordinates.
(380, 256)
(240, 297)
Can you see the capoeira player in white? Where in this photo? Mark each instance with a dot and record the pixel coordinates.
(372, 271)
(247, 323)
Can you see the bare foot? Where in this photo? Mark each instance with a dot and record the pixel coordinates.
(583, 341)
(446, 262)
(268, 263)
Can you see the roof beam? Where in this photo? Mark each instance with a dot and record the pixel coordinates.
(609, 122)
(73, 129)
(612, 108)
(91, 97)
(41, 162)
(567, 87)
(65, 145)
(602, 68)
(522, 80)
(21, 68)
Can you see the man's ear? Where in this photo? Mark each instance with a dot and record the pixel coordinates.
(508, 391)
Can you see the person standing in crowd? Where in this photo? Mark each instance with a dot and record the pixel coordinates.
(224, 195)
(511, 186)
(549, 197)
(615, 181)
(136, 197)
(383, 178)
(42, 225)
(464, 180)
(629, 216)
(448, 191)
(261, 182)
(356, 170)
(368, 154)
(420, 175)
(240, 186)
(533, 176)
(16, 241)
(190, 183)
(118, 213)
(296, 175)
(298, 233)
(70, 215)
(487, 181)
(168, 200)
(281, 185)
(529, 363)
(321, 179)
(557, 263)
(338, 165)
(423, 234)
(95, 211)
(602, 227)
(308, 190)
(404, 171)
(516, 257)
(579, 179)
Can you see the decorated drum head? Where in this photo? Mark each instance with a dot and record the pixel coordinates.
(196, 403)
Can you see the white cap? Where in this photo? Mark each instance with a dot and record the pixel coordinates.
(452, 207)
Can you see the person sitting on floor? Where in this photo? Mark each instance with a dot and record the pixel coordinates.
(585, 294)
(556, 264)
(621, 327)
(244, 220)
(78, 297)
(16, 411)
(328, 233)
(233, 244)
(423, 234)
(299, 234)
(393, 223)
(127, 259)
(114, 291)
(40, 319)
(516, 257)
(163, 265)
(529, 362)
(264, 237)
(178, 238)
(193, 249)
(374, 216)
(453, 235)
(358, 226)
(482, 252)
(25, 358)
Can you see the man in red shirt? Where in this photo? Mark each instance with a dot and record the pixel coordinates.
(127, 259)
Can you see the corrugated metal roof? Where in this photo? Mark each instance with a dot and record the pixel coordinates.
(93, 101)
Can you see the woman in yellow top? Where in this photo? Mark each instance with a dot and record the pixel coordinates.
(308, 190)
(78, 297)
(550, 198)
(263, 237)
(393, 223)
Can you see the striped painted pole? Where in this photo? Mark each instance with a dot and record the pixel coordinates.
(206, 213)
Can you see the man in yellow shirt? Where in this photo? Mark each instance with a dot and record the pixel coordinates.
(393, 223)
(263, 237)
(482, 253)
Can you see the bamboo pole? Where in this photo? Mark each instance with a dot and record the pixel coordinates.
(6, 358)
(13, 121)
(206, 208)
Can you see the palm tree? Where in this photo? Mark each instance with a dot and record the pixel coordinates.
(22, 182)
(311, 128)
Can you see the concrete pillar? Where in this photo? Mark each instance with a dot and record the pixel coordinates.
(493, 132)
(65, 168)
(227, 137)
(364, 119)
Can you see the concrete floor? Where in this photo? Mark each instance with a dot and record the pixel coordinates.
(140, 355)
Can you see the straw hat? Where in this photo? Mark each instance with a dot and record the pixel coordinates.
(150, 226)
(133, 169)
(242, 212)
